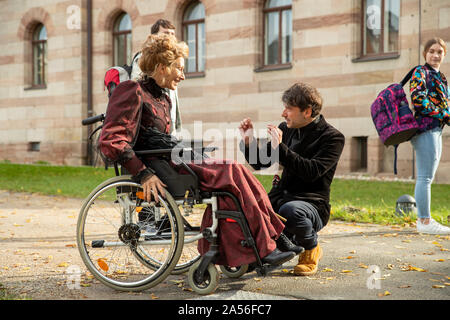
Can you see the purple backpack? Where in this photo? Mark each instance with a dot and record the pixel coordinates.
(393, 119)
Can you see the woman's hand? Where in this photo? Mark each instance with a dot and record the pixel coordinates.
(246, 130)
(153, 186)
(275, 134)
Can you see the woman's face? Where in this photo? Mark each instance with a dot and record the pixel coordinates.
(174, 74)
(435, 55)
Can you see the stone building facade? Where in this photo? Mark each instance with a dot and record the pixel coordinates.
(237, 68)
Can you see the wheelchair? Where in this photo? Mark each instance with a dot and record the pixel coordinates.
(130, 244)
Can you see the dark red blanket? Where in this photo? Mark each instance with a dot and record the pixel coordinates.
(264, 224)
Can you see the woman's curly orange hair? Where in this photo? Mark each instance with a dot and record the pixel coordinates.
(161, 49)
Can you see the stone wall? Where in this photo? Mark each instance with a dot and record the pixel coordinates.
(326, 47)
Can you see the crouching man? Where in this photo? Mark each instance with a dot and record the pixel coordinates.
(309, 149)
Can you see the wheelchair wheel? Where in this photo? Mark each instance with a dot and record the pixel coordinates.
(208, 284)
(234, 272)
(115, 245)
(189, 254)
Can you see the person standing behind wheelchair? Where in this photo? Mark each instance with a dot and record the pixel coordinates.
(430, 99)
(309, 149)
(137, 108)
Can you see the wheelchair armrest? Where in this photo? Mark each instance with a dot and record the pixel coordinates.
(157, 152)
(162, 152)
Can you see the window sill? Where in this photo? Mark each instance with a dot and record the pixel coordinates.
(386, 56)
(193, 75)
(274, 67)
(36, 87)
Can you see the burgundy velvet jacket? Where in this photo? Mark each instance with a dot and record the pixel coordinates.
(132, 106)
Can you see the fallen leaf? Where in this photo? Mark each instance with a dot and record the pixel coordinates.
(154, 296)
(383, 294)
(438, 286)
(63, 265)
(439, 260)
(404, 286)
(437, 244)
(346, 271)
(362, 265)
(411, 268)
(327, 270)
(102, 264)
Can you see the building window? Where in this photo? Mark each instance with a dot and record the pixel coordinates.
(194, 36)
(39, 48)
(380, 28)
(122, 40)
(34, 146)
(277, 32)
(360, 154)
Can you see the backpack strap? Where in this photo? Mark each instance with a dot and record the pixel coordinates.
(408, 76)
(395, 158)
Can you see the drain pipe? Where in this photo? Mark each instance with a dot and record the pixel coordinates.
(90, 108)
(418, 62)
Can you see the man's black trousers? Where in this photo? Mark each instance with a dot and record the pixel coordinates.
(303, 223)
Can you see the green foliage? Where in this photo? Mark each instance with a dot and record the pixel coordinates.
(351, 200)
(52, 180)
(375, 201)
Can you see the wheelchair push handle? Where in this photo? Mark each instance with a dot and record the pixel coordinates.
(93, 119)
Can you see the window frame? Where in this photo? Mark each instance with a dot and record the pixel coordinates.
(376, 56)
(279, 65)
(34, 43)
(116, 34)
(185, 24)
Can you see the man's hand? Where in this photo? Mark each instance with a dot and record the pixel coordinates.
(153, 185)
(246, 130)
(276, 135)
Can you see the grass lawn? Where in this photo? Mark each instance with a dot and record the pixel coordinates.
(351, 200)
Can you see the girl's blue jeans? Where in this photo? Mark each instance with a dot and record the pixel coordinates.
(428, 148)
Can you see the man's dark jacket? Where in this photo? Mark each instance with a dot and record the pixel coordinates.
(309, 157)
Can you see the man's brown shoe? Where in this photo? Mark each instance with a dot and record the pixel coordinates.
(308, 262)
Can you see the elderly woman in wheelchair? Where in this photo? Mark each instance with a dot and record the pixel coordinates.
(239, 229)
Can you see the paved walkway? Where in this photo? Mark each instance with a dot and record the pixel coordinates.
(361, 261)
